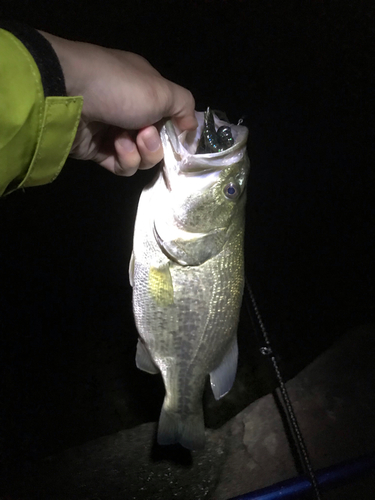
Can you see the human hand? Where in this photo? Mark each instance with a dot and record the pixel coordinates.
(124, 99)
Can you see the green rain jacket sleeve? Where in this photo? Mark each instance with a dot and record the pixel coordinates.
(38, 122)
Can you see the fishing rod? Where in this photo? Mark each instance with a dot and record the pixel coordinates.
(299, 487)
(266, 349)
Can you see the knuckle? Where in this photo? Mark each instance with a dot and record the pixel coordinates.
(128, 167)
(125, 171)
(190, 99)
(149, 160)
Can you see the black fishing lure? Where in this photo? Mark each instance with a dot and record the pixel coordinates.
(212, 140)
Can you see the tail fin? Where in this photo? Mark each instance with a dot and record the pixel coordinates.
(188, 430)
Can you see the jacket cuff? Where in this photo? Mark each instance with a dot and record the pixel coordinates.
(43, 54)
(40, 122)
(59, 127)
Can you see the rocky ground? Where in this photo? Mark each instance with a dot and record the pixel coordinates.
(333, 401)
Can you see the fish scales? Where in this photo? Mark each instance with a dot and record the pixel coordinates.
(187, 276)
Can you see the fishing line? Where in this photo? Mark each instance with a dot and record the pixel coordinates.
(294, 429)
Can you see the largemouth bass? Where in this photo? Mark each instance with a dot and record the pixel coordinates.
(187, 270)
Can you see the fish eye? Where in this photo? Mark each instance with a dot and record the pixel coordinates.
(231, 191)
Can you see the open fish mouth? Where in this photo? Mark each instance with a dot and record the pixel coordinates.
(213, 146)
(213, 136)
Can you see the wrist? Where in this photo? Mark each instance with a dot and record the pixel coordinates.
(43, 54)
(66, 51)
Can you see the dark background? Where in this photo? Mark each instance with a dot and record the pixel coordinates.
(301, 75)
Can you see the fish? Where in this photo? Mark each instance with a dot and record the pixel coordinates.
(187, 270)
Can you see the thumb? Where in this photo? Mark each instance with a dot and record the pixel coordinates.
(181, 108)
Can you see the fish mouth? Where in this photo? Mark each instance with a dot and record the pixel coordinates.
(191, 143)
(180, 150)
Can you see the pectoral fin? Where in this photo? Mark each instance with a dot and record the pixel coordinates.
(131, 269)
(143, 359)
(160, 285)
(223, 376)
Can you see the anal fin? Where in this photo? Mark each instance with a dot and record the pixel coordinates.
(223, 376)
(143, 359)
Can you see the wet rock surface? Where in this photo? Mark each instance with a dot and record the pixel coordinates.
(128, 465)
(334, 404)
